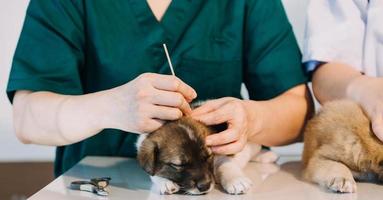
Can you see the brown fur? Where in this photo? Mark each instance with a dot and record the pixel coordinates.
(339, 146)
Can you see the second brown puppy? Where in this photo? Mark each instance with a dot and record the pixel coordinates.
(339, 145)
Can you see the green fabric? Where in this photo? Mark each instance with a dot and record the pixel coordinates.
(80, 47)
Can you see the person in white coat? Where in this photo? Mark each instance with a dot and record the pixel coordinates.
(343, 50)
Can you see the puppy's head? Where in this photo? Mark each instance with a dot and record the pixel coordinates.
(177, 152)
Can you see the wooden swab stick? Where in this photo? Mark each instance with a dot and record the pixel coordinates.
(168, 57)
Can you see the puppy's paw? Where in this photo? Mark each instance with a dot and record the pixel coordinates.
(169, 187)
(342, 185)
(237, 185)
(165, 186)
(266, 157)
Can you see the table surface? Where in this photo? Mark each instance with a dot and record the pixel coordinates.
(129, 181)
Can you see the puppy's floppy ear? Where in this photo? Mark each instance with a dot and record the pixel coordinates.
(147, 156)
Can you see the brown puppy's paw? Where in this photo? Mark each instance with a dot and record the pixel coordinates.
(342, 185)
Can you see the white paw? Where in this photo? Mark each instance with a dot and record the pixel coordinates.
(343, 185)
(237, 185)
(164, 185)
(169, 187)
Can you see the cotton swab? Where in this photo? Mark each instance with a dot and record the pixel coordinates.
(169, 61)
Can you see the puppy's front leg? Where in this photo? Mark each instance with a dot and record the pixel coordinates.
(329, 173)
(228, 169)
(265, 156)
(164, 186)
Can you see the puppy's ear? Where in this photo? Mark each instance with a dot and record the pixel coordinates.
(147, 156)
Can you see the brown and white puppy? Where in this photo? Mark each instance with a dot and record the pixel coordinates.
(178, 159)
(339, 145)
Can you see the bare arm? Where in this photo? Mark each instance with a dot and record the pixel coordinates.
(53, 119)
(282, 118)
(138, 106)
(336, 80)
(331, 81)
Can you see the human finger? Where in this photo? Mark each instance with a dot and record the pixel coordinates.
(165, 113)
(210, 106)
(229, 149)
(377, 126)
(172, 83)
(224, 137)
(171, 99)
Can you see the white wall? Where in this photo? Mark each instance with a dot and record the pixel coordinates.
(11, 18)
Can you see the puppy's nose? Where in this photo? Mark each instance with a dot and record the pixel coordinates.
(203, 186)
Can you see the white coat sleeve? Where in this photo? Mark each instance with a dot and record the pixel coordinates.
(334, 32)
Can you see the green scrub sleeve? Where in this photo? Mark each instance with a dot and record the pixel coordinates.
(49, 53)
(272, 58)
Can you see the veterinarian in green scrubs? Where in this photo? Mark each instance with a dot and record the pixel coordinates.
(80, 76)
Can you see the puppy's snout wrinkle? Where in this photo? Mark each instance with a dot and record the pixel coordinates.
(204, 185)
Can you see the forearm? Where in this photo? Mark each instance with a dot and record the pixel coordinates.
(53, 119)
(332, 81)
(139, 106)
(282, 119)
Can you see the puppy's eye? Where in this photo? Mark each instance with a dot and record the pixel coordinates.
(176, 166)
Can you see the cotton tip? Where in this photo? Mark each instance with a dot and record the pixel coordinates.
(169, 61)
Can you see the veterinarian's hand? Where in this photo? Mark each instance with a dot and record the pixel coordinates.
(233, 112)
(368, 91)
(141, 105)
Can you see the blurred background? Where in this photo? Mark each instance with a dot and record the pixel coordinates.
(24, 169)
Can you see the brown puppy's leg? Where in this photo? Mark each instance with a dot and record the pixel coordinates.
(333, 175)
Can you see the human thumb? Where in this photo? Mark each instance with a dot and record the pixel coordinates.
(377, 126)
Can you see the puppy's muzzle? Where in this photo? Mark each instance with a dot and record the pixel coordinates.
(202, 186)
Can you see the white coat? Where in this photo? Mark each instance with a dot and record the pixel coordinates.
(348, 31)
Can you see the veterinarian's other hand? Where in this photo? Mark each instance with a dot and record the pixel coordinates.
(368, 91)
(142, 104)
(233, 112)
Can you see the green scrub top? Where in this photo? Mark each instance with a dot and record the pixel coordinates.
(80, 47)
